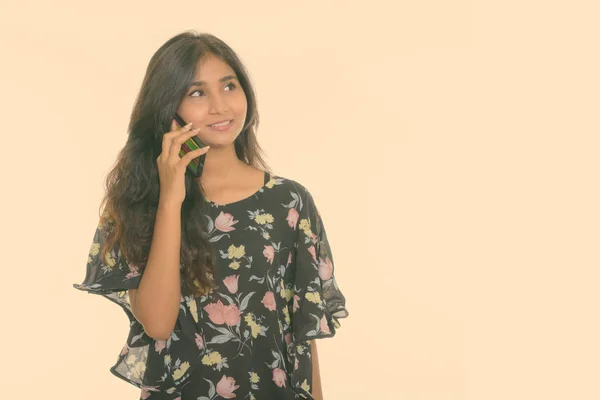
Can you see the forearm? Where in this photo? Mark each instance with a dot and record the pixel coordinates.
(317, 390)
(156, 301)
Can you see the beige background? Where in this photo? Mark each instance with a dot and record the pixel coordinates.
(452, 148)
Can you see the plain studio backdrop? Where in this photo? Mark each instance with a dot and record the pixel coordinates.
(452, 148)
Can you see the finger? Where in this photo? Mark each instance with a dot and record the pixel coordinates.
(193, 154)
(168, 139)
(178, 142)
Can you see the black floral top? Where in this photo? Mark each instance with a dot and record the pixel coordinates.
(249, 338)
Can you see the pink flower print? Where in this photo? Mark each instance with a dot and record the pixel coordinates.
(125, 349)
(279, 377)
(225, 222)
(222, 314)
(324, 325)
(325, 269)
(226, 387)
(288, 338)
(145, 394)
(159, 345)
(232, 283)
(292, 218)
(289, 258)
(312, 252)
(296, 364)
(146, 391)
(314, 238)
(199, 342)
(296, 304)
(215, 312)
(133, 271)
(232, 315)
(269, 301)
(269, 253)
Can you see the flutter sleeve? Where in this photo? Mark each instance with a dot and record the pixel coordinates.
(318, 302)
(111, 277)
(149, 364)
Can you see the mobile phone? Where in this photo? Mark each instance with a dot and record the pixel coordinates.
(195, 166)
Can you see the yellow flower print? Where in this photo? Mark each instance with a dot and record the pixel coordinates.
(286, 312)
(286, 293)
(234, 265)
(191, 302)
(252, 397)
(203, 290)
(264, 219)
(236, 252)
(139, 369)
(289, 294)
(94, 249)
(271, 183)
(254, 327)
(266, 235)
(305, 226)
(305, 386)
(254, 377)
(214, 357)
(110, 261)
(131, 359)
(313, 297)
(181, 370)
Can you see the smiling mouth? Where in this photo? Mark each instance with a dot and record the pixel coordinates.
(223, 123)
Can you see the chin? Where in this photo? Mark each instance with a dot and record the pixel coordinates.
(222, 142)
(220, 139)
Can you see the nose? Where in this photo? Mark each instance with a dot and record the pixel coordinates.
(218, 104)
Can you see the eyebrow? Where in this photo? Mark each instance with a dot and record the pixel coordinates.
(223, 79)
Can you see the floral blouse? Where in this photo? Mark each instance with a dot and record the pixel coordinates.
(250, 337)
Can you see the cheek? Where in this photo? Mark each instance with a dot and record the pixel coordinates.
(240, 105)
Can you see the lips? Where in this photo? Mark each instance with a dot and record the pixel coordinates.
(219, 122)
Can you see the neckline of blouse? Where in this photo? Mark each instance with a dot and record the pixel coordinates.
(260, 190)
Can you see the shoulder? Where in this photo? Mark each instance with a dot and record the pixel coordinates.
(285, 184)
(294, 194)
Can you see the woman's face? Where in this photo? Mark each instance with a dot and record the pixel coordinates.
(216, 95)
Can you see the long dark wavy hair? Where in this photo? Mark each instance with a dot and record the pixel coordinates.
(132, 186)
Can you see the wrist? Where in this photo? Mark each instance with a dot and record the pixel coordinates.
(166, 204)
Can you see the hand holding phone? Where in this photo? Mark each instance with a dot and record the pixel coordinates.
(195, 166)
(172, 167)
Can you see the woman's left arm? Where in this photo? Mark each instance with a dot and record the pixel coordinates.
(317, 390)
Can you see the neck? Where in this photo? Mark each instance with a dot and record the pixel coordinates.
(221, 165)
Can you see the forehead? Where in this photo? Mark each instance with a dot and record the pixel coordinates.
(211, 68)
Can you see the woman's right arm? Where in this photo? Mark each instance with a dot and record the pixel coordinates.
(155, 303)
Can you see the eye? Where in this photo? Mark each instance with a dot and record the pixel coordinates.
(233, 86)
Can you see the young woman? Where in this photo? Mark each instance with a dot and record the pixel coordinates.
(227, 279)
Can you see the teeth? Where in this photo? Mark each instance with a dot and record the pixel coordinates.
(222, 123)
